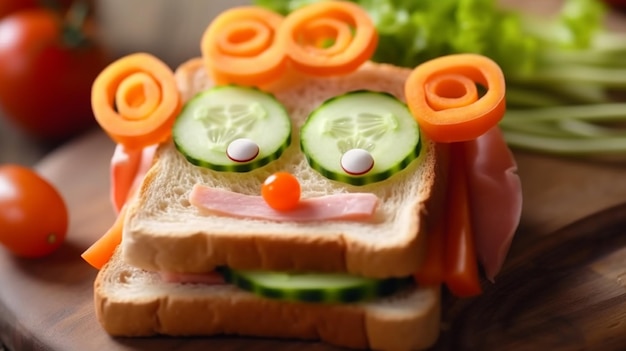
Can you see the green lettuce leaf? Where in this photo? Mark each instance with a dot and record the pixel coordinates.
(412, 32)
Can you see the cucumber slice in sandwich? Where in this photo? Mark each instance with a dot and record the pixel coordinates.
(378, 126)
(314, 287)
(232, 128)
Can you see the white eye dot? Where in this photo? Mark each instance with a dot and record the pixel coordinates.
(357, 161)
(242, 150)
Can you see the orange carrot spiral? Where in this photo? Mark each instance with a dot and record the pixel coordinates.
(239, 47)
(328, 38)
(443, 96)
(135, 100)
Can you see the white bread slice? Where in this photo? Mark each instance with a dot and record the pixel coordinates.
(164, 232)
(133, 302)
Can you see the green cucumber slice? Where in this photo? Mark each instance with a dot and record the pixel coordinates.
(376, 122)
(213, 119)
(314, 287)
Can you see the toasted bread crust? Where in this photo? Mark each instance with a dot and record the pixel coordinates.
(132, 302)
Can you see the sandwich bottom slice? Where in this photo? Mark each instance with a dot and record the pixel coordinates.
(134, 302)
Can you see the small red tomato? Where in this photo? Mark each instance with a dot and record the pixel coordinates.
(33, 215)
(281, 191)
(47, 68)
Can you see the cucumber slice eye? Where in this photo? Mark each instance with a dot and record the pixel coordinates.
(341, 136)
(224, 129)
(314, 287)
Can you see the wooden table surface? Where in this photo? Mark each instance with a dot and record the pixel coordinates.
(561, 289)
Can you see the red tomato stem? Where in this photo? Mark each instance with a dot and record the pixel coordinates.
(75, 18)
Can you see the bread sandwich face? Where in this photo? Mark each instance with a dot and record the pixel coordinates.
(199, 234)
(162, 226)
(163, 232)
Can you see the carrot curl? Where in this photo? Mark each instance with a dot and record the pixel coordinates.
(328, 38)
(135, 100)
(443, 96)
(239, 47)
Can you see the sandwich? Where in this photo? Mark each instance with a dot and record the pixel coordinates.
(283, 198)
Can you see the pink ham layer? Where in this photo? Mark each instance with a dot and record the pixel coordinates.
(495, 198)
(211, 278)
(348, 206)
(127, 169)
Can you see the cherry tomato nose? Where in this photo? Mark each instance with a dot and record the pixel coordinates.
(281, 191)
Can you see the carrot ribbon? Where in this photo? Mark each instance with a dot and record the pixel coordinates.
(450, 250)
(431, 271)
(100, 252)
(135, 100)
(461, 273)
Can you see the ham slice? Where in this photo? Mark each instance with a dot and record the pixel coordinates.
(495, 198)
(211, 278)
(127, 169)
(350, 206)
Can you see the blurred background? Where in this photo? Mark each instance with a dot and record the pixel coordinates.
(169, 29)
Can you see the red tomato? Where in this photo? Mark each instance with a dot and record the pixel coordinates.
(45, 84)
(33, 215)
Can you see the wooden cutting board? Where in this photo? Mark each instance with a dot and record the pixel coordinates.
(562, 289)
(567, 291)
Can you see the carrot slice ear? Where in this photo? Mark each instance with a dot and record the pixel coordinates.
(239, 47)
(135, 100)
(443, 97)
(328, 38)
(100, 252)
